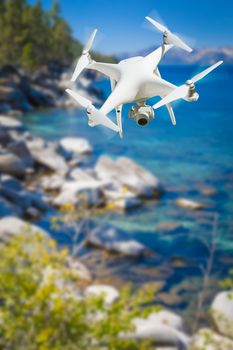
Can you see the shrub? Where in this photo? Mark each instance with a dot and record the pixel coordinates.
(41, 307)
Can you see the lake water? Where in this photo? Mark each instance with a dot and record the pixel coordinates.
(196, 153)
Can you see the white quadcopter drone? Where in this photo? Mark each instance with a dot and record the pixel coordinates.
(136, 79)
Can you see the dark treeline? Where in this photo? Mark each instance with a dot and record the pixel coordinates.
(31, 37)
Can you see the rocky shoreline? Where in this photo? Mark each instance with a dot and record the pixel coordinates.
(21, 92)
(38, 177)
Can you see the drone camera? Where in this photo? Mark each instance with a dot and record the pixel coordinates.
(142, 114)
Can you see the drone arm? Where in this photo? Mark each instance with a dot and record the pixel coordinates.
(154, 58)
(109, 69)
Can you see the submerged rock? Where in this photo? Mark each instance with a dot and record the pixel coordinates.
(169, 226)
(222, 313)
(189, 204)
(115, 240)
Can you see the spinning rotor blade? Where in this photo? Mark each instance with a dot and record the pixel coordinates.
(157, 25)
(201, 75)
(182, 91)
(90, 41)
(82, 101)
(84, 59)
(96, 116)
(171, 39)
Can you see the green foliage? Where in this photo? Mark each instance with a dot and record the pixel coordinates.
(227, 283)
(41, 308)
(31, 36)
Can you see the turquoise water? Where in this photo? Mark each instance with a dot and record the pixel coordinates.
(197, 152)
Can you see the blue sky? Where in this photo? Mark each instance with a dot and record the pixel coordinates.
(122, 26)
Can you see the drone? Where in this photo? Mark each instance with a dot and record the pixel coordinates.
(135, 80)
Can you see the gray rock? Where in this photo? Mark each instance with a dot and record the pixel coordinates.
(153, 327)
(206, 339)
(47, 156)
(121, 200)
(80, 193)
(82, 271)
(22, 198)
(11, 164)
(222, 313)
(19, 198)
(52, 183)
(9, 123)
(125, 173)
(5, 138)
(76, 145)
(7, 208)
(12, 226)
(19, 148)
(10, 182)
(115, 240)
(81, 175)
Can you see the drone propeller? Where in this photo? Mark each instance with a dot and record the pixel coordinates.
(84, 59)
(95, 116)
(169, 37)
(187, 90)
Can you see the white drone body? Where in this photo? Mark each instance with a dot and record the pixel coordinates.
(136, 79)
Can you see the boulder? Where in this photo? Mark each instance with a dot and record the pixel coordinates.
(189, 204)
(47, 156)
(125, 173)
(168, 318)
(121, 200)
(109, 293)
(76, 145)
(52, 183)
(19, 148)
(7, 208)
(12, 226)
(11, 164)
(81, 270)
(115, 240)
(15, 97)
(9, 123)
(222, 313)
(81, 175)
(5, 138)
(10, 182)
(206, 339)
(22, 198)
(165, 335)
(80, 193)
